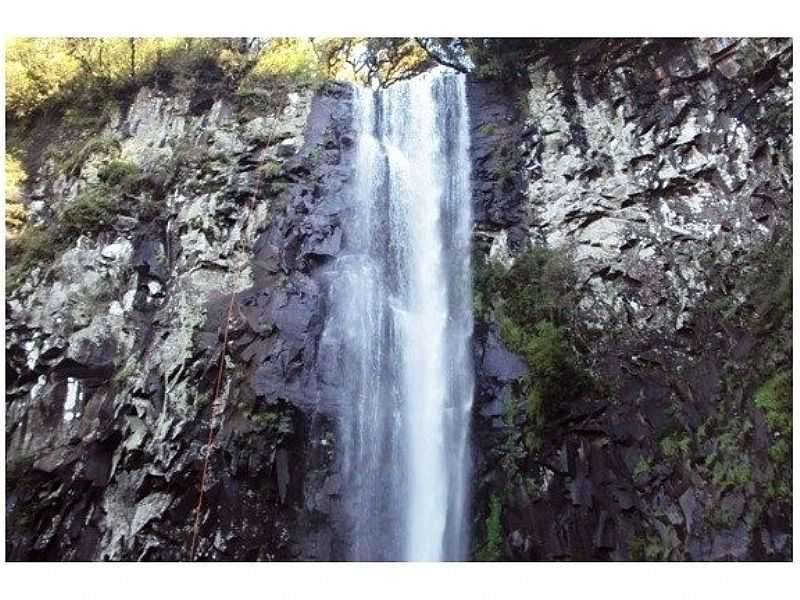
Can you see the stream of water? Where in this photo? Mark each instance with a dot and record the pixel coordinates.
(401, 306)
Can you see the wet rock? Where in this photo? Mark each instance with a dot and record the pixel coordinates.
(499, 363)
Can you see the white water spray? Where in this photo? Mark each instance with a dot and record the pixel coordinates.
(401, 323)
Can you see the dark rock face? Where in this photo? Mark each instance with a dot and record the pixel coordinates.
(663, 168)
(112, 364)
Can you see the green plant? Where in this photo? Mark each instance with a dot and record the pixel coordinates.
(720, 518)
(123, 375)
(488, 129)
(649, 548)
(729, 467)
(263, 418)
(539, 286)
(88, 213)
(16, 212)
(532, 303)
(123, 175)
(91, 211)
(642, 467)
(270, 170)
(486, 277)
(736, 473)
(315, 156)
(675, 446)
(32, 247)
(774, 399)
(535, 421)
(726, 306)
(19, 466)
(71, 159)
(273, 420)
(492, 549)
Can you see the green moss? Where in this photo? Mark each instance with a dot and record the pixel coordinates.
(123, 175)
(675, 446)
(735, 473)
(87, 214)
(263, 418)
(492, 549)
(720, 518)
(532, 304)
(90, 212)
(271, 170)
(774, 399)
(642, 467)
(73, 158)
(488, 129)
(648, 548)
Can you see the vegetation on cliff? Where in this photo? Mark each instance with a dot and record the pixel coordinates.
(533, 303)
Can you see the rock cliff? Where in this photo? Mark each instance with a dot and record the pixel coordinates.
(660, 168)
(664, 170)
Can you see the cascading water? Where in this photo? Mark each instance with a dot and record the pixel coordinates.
(400, 323)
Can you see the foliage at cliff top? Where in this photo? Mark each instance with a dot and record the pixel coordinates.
(38, 69)
(15, 209)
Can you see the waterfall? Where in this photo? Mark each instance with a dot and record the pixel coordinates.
(400, 324)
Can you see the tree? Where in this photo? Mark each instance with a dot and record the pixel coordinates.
(15, 210)
(36, 68)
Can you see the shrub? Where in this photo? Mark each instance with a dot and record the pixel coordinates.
(121, 174)
(88, 213)
(16, 212)
(502, 59)
(492, 549)
(774, 399)
(486, 280)
(539, 286)
(283, 65)
(72, 160)
(33, 246)
(292, 58)
(729, 467)
(533, 302)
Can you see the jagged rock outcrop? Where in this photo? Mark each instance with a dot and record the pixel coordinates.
(664, 169)
(113, 352)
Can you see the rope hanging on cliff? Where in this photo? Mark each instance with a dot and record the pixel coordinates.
(211, 428)
(220, 373)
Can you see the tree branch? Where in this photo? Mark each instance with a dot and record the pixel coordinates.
(442, 61)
